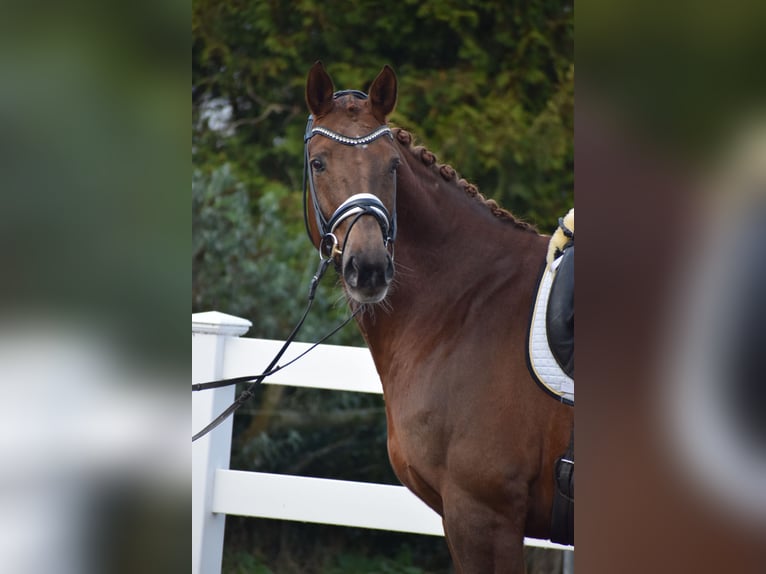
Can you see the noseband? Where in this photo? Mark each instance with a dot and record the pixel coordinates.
(355, 206)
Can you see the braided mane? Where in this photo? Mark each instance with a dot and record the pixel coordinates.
(448, 173)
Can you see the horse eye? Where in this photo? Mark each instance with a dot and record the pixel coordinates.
(394, 164)
(317, 165)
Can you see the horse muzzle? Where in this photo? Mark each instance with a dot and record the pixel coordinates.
(368, 275)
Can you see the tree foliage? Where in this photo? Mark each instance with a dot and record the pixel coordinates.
(486, 85)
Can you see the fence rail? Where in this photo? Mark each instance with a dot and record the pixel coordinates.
(218, 351)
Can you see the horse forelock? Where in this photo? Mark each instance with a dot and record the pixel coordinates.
(448, 173)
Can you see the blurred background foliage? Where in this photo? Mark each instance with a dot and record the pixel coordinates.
(487, 85)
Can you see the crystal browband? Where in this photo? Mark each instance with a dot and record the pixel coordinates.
(372, 136)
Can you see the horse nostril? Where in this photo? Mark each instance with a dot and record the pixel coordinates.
(351, 272)
(366, 273)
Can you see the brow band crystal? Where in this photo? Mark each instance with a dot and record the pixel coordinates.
(383, 130)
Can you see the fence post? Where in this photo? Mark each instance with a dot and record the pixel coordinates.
(210, 331)
(567, 566)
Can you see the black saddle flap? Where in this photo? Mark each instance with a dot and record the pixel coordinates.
(560, 313)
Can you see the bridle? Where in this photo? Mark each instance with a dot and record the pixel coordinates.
(357, 205)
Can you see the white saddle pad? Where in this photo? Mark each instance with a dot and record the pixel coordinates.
(541, 360)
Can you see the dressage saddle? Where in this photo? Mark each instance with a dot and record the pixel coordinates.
(560, 313)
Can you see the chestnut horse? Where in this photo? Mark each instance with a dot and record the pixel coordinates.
(446, 280)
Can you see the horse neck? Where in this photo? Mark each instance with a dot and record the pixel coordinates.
(451, 247)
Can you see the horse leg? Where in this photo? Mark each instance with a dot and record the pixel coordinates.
(481, 540)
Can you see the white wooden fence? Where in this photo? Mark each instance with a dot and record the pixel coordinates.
(219, 352)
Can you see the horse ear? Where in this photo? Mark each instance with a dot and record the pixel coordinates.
(382, 93)
(319, 90)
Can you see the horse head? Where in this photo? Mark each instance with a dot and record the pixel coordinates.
(351, 161)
